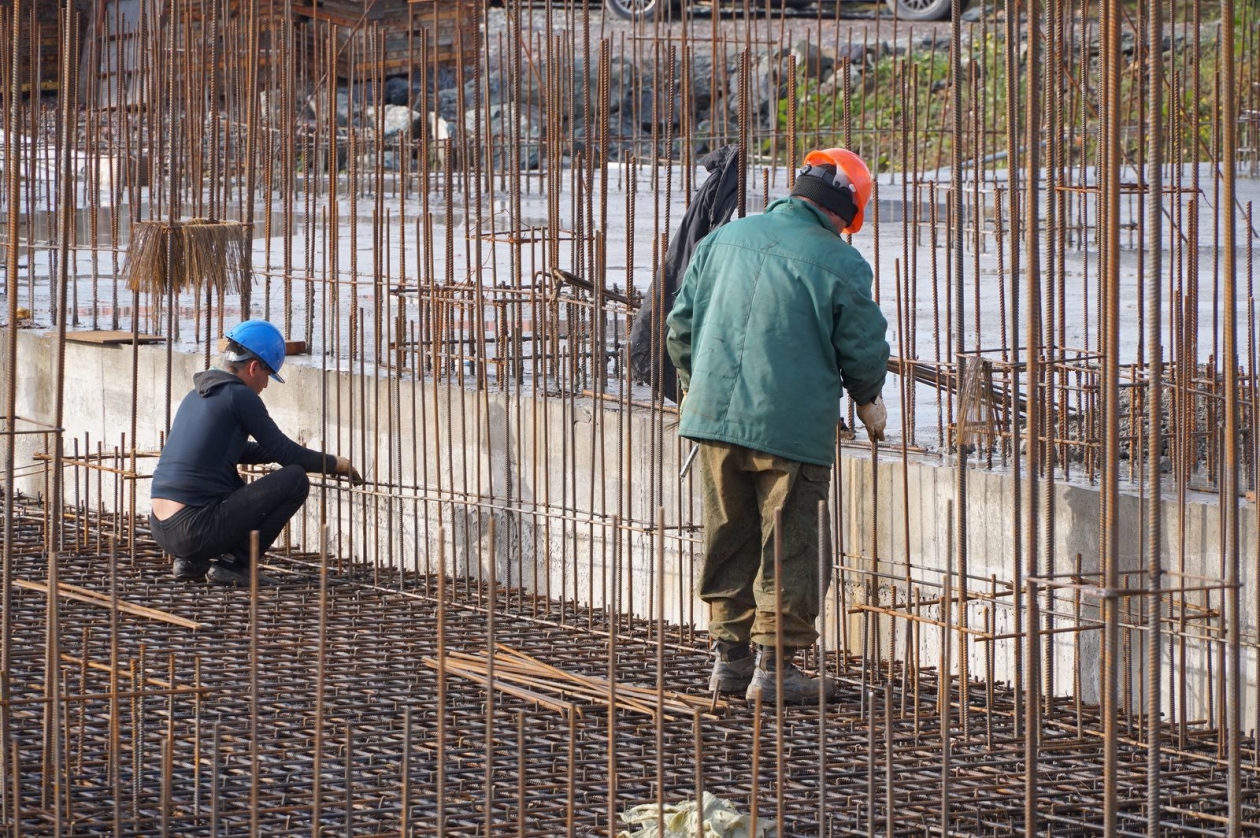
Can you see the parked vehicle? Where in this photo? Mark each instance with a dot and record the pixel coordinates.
(911, 10)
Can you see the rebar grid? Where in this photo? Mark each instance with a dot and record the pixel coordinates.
(1055, 240)
(146, 740)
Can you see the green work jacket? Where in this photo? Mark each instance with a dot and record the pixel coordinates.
(774, 312)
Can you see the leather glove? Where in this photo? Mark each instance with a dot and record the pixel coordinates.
(874, 416)
(348, 471)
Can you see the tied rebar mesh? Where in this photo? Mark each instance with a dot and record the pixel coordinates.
(174, 720)
(457, 206)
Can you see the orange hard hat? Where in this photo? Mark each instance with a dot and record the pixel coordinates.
(846, 178)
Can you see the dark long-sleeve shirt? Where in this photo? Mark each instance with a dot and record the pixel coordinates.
(211, 437)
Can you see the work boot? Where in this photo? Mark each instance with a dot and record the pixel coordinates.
(187, 570)
(234, 575)
(798, 688)
(733, 669)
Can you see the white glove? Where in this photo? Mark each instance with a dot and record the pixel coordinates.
(874, 416)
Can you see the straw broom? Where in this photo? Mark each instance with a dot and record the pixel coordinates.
(201, 253)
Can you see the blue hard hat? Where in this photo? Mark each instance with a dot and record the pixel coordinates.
(264, 341)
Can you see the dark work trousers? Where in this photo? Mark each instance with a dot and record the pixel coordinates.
(206, 532)
(741, 489)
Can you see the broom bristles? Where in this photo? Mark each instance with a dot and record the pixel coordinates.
(204, 253)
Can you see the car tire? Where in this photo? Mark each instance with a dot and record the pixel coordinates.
(645, 10)
(917, 10)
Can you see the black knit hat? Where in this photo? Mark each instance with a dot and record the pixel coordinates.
(819, 184)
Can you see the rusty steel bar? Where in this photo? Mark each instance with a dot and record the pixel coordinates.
(1154, 317)
(1109, 344)
(1104, 174)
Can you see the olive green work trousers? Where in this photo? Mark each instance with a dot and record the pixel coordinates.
(741, 489)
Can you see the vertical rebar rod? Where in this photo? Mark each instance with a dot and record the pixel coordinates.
(945, 672)
(13, 116)
(491, 606)
(441, 684)
(321, 666)
(404, 772)
(1154, 316)
(779, 665)
(824, 578)
(255, 701)
(66, 218)
(658, 551)
(958, 329)
(1033, 338)
(1236, 677)
(1109, 537)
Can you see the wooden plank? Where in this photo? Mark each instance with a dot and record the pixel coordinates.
(233, 9)
(95, 598)
(110, 338)
(234, 39)
(356, 13)
(45, 41)
(454, 25)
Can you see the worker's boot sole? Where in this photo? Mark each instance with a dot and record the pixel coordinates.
(732, 677)
(187, 570)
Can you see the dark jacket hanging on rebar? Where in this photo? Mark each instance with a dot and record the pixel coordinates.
(713, 206)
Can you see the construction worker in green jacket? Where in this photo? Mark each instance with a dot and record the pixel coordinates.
(774, 317)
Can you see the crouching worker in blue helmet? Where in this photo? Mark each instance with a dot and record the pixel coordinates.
(203, 512)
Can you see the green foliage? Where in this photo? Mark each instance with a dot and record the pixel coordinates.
(901, 110)
(900, 97)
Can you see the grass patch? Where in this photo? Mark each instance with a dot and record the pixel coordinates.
(900, 115)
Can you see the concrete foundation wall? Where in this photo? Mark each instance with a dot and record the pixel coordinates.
(571, 488)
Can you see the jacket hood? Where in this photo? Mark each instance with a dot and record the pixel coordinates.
(207, 381)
